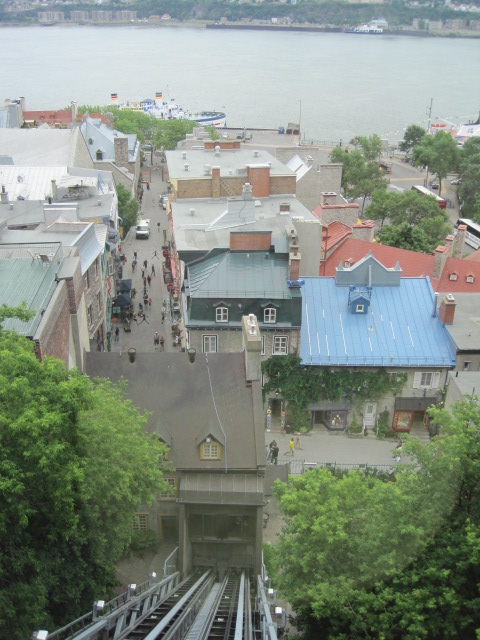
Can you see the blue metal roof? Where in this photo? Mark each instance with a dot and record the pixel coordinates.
(398, 329)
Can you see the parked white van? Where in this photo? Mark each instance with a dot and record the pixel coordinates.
(143, 229)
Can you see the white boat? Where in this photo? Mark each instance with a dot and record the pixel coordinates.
(368, 29)
(173, 111)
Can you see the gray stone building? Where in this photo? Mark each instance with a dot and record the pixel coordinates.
(209, 413)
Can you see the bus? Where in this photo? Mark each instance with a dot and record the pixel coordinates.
(472, 235)
(442, 203)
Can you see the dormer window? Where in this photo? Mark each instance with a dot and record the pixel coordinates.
(99, 155)
(90, 141)
(348, 263)
(453, 276)
(221, 314)
(269, 316)
(360, 308)
(210, 449)
(470, 279)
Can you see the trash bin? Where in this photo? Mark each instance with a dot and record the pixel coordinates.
(281, 130)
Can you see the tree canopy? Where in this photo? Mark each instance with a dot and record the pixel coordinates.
(439, 153)
(393, 557)
(413, 136)
(128, 208)
(469, 189)
(415, 222)
(75, 465)
(361, 174)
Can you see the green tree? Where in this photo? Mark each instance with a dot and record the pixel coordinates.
(415, 221)
(128, 208)
(365, 557)
(439, 153)
(75, 464)
(213, 132)
(360, 178)
(371, 147)
(469, 189)
(413, 136)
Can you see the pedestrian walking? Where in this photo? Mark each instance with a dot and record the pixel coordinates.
(156, 340)
(158, 226)
(270, 449)
(291, 448)
(297, 442)
(163, 317)
(153, 270)
(145, 264)
(117, 334)
(275, 451)
(149, 280)
(143, 272)
(149, 302)
(162, 343)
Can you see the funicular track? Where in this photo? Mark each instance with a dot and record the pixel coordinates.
(226, 612)
(174, 615)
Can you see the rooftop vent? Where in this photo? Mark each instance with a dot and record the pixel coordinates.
(207, 169)
(192, 211)
(184, 155)
(185, 166)
(256, 154)
(217, 150)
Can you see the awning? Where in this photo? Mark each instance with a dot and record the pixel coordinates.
(414, 404)
(222, 488)
(124, 286)
(122, 300)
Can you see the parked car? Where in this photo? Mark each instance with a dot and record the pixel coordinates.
(435, 185)
(143, 229)
(456, 181)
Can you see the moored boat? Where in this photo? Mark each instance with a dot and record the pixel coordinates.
(366, 29)
(172, 111)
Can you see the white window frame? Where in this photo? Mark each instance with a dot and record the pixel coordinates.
(280, 346)
(426, 380)
(453, 276)
(86, 281)
(269, 315)
(470, 279)
(221, 314)
(360, 308)
(208, 339)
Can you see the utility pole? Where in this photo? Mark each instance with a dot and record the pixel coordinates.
(300, 124)
(429, 114)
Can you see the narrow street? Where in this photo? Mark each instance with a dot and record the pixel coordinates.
(141, 336)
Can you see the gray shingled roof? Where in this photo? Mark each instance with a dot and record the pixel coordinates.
(191, 401)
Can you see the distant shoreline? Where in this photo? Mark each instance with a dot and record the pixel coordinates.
(298, 28)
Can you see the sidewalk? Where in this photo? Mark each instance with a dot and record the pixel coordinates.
(142, 333)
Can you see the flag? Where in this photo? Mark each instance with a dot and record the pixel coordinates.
(114, 96)
(158, 95)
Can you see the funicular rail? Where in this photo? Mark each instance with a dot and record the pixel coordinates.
(173, 616)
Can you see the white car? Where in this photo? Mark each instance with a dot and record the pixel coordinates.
(143, 229)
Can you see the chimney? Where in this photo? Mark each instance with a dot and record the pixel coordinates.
(446, 312)
(459, 241)
(449, 242)
(109, 119)
(294, 265)
(364, 231)
(250, 240)
(328, 196)
(247, 191)
(215, 182)
(54, 190)
(441, 254)
(253, 347)
(4, 195)
(217, 150)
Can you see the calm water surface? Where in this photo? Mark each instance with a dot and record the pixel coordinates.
(340, 85)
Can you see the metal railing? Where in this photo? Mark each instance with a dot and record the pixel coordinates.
(300, 466)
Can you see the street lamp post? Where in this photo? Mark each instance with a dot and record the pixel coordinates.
(300, 123)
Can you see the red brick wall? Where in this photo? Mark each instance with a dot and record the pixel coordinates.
(255, 241)
(223, 144)
(446, 312)
(54, 338)
(259, 178)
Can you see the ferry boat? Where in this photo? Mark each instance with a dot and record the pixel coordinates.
(366, 29)
(172, 111)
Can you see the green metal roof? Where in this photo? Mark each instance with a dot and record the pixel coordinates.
(240, 275)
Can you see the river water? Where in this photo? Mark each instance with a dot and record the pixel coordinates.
(338, 85)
